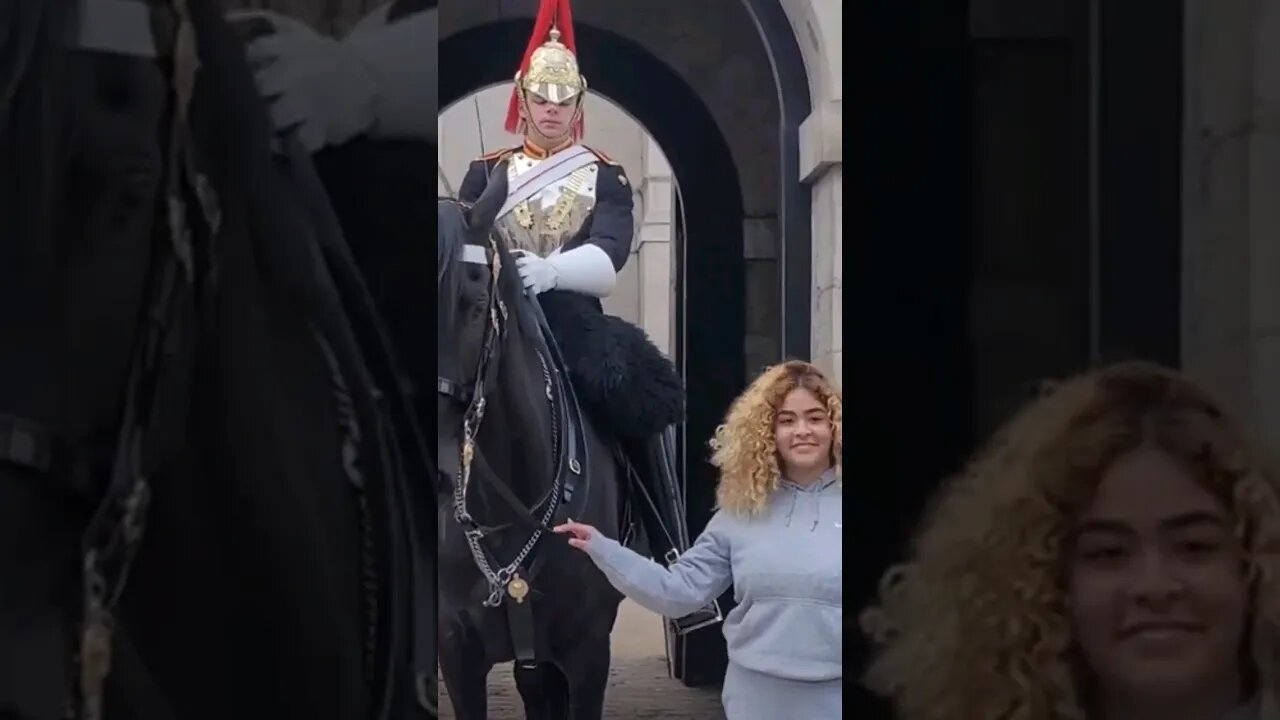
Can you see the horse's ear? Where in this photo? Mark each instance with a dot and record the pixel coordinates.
(484, 212)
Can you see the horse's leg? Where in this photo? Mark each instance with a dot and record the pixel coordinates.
(544, 692)
(465, 672)
(586, 669)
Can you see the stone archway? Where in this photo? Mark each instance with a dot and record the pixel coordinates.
(724, 93)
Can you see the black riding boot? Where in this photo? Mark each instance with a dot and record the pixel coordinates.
(660, 502)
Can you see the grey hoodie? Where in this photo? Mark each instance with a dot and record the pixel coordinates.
(786, 567)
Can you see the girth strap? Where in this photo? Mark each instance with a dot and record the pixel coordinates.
(520, 622)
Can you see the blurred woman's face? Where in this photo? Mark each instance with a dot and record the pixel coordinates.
(1157, 587)
(802, 433)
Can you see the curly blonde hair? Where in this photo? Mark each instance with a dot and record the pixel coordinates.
(744, 448)
(974, 626)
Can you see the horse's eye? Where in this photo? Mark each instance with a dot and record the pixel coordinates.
(475, 273)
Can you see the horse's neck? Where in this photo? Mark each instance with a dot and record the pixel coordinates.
(518, 445)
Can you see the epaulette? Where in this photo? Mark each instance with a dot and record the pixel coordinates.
(496, 155)
(603, 158)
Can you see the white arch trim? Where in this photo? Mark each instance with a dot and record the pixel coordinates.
(817, 25)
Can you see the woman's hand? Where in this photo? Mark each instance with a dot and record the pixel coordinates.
(580, 534)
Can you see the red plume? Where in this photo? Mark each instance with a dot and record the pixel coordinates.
(551, 13)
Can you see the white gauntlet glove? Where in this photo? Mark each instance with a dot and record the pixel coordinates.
(586, 269)
(537, 274)
(379, 80)
(313, 84)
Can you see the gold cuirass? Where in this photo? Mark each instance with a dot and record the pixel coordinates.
(546, 221)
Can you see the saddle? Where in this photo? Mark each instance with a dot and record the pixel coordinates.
(622, 378)
(628, 386)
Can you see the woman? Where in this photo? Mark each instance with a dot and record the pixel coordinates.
(1111, 555)
(776, 538)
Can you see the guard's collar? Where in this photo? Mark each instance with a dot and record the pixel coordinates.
(538, 153)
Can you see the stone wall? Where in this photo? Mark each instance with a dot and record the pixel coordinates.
(1231, 217)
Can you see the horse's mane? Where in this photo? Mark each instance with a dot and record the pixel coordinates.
(34, 123)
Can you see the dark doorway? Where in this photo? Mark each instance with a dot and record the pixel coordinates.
(1017, 220)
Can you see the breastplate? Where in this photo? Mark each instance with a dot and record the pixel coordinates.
(546, 221)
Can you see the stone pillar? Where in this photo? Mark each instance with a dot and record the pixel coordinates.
(761, 345)
(1231, 220)
(655, 249)
(827, 308)
(818, 28)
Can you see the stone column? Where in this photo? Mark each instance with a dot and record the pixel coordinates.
(1231, 220)
(827, 309)
(655, 249)
(817, 25)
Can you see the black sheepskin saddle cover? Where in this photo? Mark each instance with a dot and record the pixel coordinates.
(621, 378)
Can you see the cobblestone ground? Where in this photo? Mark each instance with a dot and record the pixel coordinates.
(639, 687)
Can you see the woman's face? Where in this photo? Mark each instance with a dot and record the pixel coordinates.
(1157, 585)
(802, 432)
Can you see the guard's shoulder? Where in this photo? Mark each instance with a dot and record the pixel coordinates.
(496, 156)
(602, 157)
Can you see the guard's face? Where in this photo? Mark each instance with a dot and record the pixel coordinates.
(1157, 585)
(802, 431)
(551, 120)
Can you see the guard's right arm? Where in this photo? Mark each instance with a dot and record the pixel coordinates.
(474, 182)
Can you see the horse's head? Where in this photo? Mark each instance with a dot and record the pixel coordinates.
(472, 270)
(83, 149)
(487, 332)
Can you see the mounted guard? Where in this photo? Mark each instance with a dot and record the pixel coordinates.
(569, 217)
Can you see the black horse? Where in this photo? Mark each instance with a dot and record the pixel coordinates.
(203, 449)
(517, 455)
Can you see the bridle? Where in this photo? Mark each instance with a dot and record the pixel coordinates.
(472, 395)
(458, 463)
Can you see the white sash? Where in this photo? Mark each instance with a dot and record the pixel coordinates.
(548, 172)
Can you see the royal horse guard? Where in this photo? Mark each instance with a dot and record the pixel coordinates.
(569, 218)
